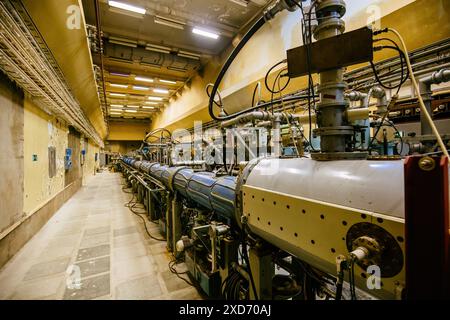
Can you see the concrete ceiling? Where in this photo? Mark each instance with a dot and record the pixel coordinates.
(134, 45)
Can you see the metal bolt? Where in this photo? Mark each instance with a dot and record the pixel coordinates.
(427, 163)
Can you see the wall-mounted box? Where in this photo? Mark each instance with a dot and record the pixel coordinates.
(68, 159)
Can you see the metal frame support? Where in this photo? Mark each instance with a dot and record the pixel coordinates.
(427, 227)
(263, 270)
(169, 200)
(177, 208)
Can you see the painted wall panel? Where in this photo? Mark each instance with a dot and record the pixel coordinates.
(11, 155)
(40, 132)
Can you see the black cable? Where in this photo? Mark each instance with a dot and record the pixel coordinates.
(130, 205)
(261, 21)
(247, 261)
(266, 78)
(402, 62)
(254, 94)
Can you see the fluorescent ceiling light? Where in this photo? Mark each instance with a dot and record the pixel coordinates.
(119, 74)
(205, 33)
(141, 88)
(131, 111)
(143, 79)
(177, 69)
(151, 102)
(240, 2)
(148, 107)
(117, 94)
(124, 6)
(167, 81)
(135, 107)
(188, 56)
(157, 48)
(162, 91)
(116, 113)
(116, 110)
(115, 85)
(123, 41)
(116, 106)
(155, 98)
(169, 22)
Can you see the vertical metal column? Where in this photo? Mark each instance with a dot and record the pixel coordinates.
(263, 271)
(333, 127)
(169, 199)
(177, 208)
(427, 228)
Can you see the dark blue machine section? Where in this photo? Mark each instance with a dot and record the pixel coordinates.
(204, 188)
(199, 189)
(181, 180)
(223, 196)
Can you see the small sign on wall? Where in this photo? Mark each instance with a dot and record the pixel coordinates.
(35, 157)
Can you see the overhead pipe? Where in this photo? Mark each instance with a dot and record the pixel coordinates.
(425, 83)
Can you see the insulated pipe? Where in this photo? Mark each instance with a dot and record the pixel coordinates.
(379, 94)
(255, 115)
(357, 96)
(425, 91)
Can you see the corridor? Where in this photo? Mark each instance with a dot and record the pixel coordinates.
(94, 247)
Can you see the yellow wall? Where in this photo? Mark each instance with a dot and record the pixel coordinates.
(90, 164)
(122, 147)
(127, 131)
(421, 22)
(40, 132)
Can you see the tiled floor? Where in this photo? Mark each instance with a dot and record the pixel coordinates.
(94, 248)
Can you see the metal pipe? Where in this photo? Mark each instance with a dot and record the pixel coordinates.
(425, 83)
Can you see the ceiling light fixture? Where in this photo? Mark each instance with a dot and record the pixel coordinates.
(131, 111)
(115, 85)
(242, 3)
(157, 48)
(169, 22)
(205, 33)
(162, 91)
(127, 7)
(123, 41)
(143, 79)
(151, 102)
(134, 107)
(117, 74)
(167, 81)
(155, 98)
(116, 106)
(190, 55)
(117, 94)
(115, 113)
(139, 88)
(148, 107)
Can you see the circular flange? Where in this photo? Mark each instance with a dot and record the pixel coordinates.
(330, 23)
(390, 259)
(334, 131)
(343, 104)
(331, 5)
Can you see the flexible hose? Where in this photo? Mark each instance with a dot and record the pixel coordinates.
(227, 64)
(419, 97)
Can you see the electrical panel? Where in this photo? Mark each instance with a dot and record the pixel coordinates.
(68, 159)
